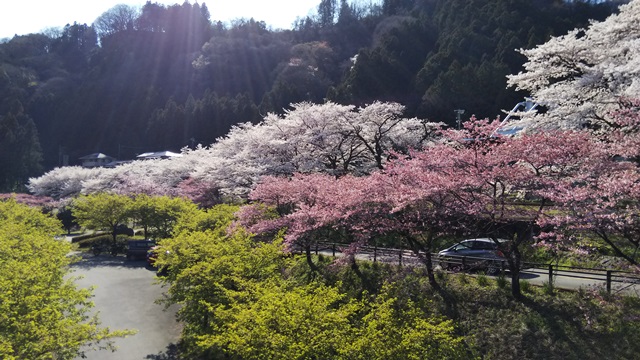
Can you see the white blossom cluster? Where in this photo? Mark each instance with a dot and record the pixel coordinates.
(330, 138)
(580, 77)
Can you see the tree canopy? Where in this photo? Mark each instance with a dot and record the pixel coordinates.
(102, 211)
(525, 190)
(165, 77)
(331, 138)
(240, 298)
(42, 312)
(584, 76)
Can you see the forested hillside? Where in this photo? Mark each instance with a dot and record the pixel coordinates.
(161, 78)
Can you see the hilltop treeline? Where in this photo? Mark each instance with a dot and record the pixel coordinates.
(165, 77)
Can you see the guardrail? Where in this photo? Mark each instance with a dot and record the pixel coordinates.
(466, 263)
(608, 276)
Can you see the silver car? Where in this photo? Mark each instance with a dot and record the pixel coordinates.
(473, 254)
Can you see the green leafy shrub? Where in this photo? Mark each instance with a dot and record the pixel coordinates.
(80, 238)
(526, 286)
(482, 280)
(243, 299)
(502, 282)
(548, 288)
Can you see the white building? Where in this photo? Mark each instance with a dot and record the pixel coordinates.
(158, 155)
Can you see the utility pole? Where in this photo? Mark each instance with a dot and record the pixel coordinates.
(459, 113)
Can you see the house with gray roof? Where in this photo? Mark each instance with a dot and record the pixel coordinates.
(96, 160)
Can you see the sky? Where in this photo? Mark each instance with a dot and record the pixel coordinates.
(32, 16)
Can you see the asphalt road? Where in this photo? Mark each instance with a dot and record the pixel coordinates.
(562, 279)
(125, 295)
(570, 280)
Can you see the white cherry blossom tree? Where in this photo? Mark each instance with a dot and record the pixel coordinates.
(582, 76)
(326, 138)
(63, 181)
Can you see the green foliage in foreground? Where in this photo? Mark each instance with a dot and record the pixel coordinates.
(42, 313)
(241, 300)
(246, 299)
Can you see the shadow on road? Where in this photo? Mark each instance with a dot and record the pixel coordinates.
(170, 354)
(89, 260)
(526, 276)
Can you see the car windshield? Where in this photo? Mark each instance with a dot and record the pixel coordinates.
(462, 246)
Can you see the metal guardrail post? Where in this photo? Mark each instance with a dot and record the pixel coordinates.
(609, 273)
(502, 268)
(400, 258)
(333, 249)
(316, 248)
(550, 274)
(464, 263)
(375, 253)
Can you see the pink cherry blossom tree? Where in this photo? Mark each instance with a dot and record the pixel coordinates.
(506, 186)
(603, 201)
(589, 78)
(27, 199)
(484, 185)
(309, 206)
(606, 207)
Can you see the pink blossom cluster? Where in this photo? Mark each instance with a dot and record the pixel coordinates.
(539, 185)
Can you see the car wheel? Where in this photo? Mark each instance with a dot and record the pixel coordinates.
(493, 269)
(444, 264)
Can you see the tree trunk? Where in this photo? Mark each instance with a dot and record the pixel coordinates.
(515, 284)
(432, 279)
(312, 265)
(414, 244)
(114, 234)
(515, 260)
(356, 269)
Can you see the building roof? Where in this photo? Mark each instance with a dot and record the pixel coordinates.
(96, 156)
(159, 155)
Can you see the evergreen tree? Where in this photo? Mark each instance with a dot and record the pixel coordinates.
(20, 152)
